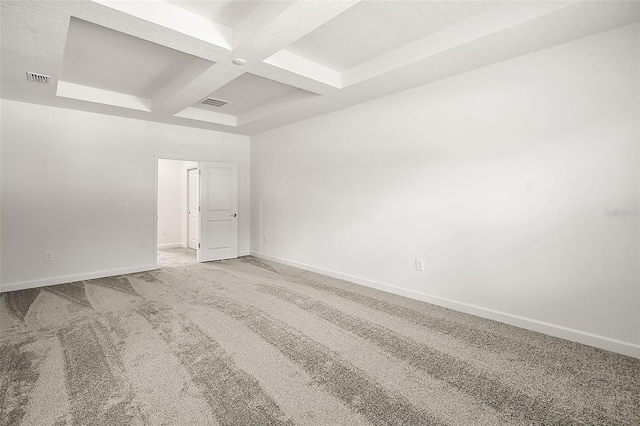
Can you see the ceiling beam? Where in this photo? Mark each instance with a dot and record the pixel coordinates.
(170, 16)
(300, 18)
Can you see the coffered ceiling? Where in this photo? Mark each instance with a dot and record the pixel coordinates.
(158, 60)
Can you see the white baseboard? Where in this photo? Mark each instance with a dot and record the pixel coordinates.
(182, 245)
(72, 278)
(613, 345)
(171, 245)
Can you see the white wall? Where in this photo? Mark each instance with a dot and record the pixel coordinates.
(497, 178)
(64, 174)
(170, 203)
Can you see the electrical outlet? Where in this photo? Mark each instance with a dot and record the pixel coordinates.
(419, 265)
(48, 256)
(123, 207)
(264, 238)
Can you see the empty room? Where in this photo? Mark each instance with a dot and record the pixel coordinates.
(370, 212)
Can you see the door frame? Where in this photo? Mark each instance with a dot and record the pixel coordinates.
(189, 202)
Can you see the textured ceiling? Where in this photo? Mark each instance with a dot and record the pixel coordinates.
(102, 58)
(225, 12)
(369, 29)
(156, 60)
(247, 92)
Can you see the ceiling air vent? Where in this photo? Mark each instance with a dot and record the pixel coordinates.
(38, 78)
(214, 102)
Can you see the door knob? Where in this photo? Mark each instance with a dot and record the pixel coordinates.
(234, 215)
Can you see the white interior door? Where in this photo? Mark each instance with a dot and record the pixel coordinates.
(218, 219)
(192, 208)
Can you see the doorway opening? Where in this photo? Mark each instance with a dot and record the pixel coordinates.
(177, 211)
(211, 231)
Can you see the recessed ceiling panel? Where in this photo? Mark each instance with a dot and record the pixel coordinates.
(372, 28)
(225, 12)
(102, 58)
(111, 73)
(247, 92)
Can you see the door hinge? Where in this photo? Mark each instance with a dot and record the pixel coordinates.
(198, 208)
(198, 245)
(200, 171)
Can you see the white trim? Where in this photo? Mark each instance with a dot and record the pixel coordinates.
(105, 97)
(613, 345)
(244, 253)
(170, 245)
(187, 191)
(76, 277)
(209, 116)
(155, 211)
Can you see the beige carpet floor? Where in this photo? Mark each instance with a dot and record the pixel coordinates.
(250, 342)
